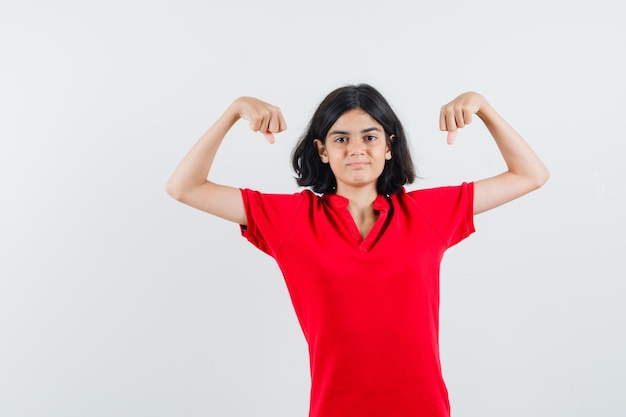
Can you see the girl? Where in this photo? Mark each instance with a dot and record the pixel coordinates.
(360, 255)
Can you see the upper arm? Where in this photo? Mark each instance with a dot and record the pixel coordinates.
(495, 191)
(220, 200)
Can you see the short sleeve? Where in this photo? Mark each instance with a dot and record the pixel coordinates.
(270, 218)
(450, 210)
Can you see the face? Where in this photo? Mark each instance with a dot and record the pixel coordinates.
(356, 148)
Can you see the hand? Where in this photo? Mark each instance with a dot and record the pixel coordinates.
(458, 113)
(262, 117)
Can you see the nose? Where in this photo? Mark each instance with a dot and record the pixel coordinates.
(356, 148)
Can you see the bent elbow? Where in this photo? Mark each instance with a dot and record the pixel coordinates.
(533, 180)
(536, 180)
(542, 177)
(174, 191)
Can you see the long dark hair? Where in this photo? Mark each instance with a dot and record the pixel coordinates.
(312, 172)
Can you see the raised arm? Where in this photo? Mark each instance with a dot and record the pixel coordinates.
(189, 183)
(525, 171)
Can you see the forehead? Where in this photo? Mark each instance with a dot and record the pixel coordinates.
(354, 121)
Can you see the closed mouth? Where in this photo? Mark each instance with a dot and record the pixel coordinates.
(357, 164)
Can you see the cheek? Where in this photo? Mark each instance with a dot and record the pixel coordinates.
(336, 156)
(335, 163)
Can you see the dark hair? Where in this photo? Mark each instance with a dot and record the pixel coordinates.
(312, 172)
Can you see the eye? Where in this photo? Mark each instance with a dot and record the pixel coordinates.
(370, 138)
(341, 140)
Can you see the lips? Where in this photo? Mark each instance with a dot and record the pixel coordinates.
(357, 164)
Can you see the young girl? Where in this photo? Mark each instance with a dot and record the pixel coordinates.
(360, 255)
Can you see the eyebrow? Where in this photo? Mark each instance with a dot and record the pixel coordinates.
(345, 132)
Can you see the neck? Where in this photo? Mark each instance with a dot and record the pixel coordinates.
(361, 200)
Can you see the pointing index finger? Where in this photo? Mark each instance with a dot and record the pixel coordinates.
(451, 137)
(269, 136)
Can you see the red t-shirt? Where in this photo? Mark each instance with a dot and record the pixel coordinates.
(368, 308)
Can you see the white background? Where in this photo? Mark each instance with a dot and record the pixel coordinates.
(116, 300)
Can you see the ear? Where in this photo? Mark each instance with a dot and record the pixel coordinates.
(321, 150)
(388, 151)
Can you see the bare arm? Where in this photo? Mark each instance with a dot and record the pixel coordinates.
(189, 183)
(525, 171)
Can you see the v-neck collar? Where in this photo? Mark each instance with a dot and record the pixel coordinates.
(382, 205)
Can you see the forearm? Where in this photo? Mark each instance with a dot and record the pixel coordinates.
(194, 168)
(520, 159)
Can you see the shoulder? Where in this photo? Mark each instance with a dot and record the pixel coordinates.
(438, 200)
(437, 193)
(262, 199)
(304, 194)
(448, 209)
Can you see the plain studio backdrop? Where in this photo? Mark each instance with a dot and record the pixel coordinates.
(116, 300)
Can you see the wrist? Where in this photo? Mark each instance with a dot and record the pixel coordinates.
(484, 110)
(233, 112)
